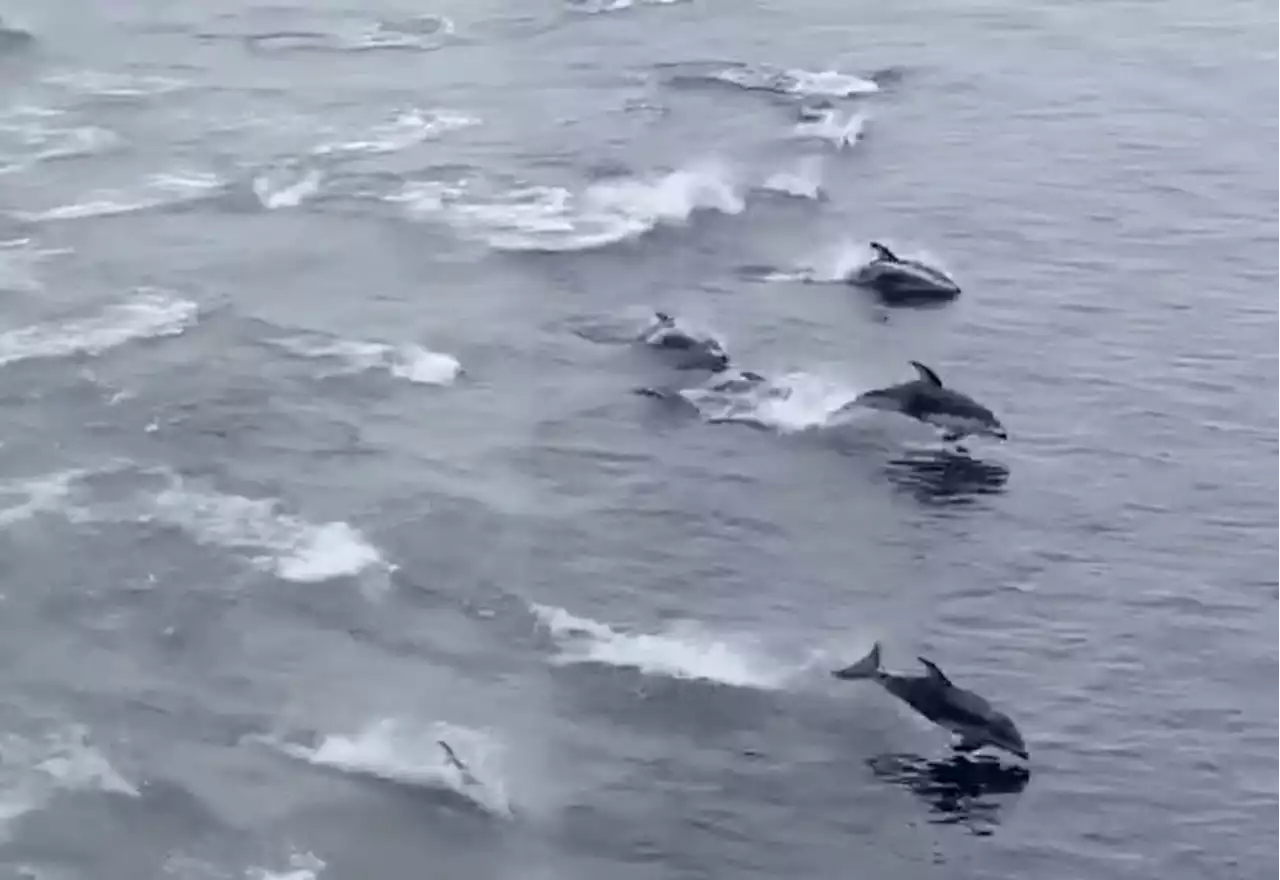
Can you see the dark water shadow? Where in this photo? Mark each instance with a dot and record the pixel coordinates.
(946, 476)
(959, 790)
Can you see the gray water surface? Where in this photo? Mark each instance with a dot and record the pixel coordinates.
(320, 443)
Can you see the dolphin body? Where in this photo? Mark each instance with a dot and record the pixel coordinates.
(925, 399)
(934, 696)
(904, 282)
(694, 352)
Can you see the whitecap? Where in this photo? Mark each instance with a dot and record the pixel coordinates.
(685, 651)
(149, 314)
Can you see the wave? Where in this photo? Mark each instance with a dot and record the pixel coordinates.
(685, 651)
(26, 141)
(148, 315)
(550, 218)
(18, 260)
(33, 771)
(410, 755)
(109, 84)
(287, 545)
(158, 190)
(405, 361)
(406, 128)
(416, 33)
(768, 78)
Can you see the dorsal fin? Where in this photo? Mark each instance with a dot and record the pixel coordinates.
(934, 671)
(927, 374)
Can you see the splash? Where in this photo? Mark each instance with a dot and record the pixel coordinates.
(286, 187)
(840, 132)
(406, 361)
(804, 181)
(291, 547)
(149, 315)
(788, 404)
(406, 754)
(547, 218)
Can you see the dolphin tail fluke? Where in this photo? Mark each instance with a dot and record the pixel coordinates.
(867, 667)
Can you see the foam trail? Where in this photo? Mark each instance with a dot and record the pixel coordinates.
(686, 652)
(150, 314)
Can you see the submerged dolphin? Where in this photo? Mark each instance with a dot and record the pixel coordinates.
(933, 695)
(926, 400)
(904, 282)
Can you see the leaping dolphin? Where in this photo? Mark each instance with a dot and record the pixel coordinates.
(934, 696)
(927, 400)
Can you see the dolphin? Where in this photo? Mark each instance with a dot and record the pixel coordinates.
(933, 695)
(903, 282)
(698, 352)
(926, 400)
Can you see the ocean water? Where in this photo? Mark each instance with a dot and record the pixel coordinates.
(319, 442)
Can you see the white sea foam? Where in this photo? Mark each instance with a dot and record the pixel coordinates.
(802, 181)
(158, 190)
(405, 361)
(679, 651)
(406, 128)
(286, 187)
(32, 771)
(301, 866)
(840, 131)
(291, 547)
(550, 218)
(797, 401)
(149, 314)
